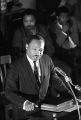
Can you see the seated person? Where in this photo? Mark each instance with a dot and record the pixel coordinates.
(65, 30)
(30, 27)
(74, 6)
(32, 75)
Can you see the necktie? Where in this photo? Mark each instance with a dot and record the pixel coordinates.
(36, 74)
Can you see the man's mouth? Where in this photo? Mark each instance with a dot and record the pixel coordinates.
(29, 27)
(36, 57)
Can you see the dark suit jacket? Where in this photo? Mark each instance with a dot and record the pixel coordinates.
(20, 80)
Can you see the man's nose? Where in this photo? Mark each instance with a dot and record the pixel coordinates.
(38, 53)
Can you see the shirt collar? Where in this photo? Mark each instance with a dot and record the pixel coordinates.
(32, 65)
(31, 61)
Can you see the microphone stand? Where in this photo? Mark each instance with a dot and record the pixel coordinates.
(78, 109)
(77, 87)
(69, 82)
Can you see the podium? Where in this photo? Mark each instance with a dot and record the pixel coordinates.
(47, 110)
(60, 110)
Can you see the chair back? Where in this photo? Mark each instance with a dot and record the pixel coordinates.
(4, 61)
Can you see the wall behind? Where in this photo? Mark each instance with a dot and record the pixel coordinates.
(28, 3)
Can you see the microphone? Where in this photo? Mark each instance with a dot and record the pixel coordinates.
(77, 87)
(60, 71)
(68, 80)
(57, 69)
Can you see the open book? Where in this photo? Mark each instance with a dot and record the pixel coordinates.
(67, 106)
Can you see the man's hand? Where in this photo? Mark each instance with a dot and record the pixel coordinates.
(29, 106)
(58, 95)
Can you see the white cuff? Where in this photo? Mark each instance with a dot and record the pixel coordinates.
(64, 33)
(24, 104)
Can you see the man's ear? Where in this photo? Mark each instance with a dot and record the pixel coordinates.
(26, 46)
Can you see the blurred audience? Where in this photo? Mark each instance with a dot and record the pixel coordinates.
(30, 27)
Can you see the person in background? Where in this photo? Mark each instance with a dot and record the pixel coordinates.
(57, 60)
(74, 6)
(30, 27)
(65, 30)
(22, 82)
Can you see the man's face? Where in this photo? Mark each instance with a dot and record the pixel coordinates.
(63, 18)
(29, 21)
(35, 49)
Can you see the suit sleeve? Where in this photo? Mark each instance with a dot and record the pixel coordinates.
(57, 32)
(56, 81)
(12, 88)
(60, 37)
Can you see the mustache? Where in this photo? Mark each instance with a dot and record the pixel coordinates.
(30, 26)
(36, 55)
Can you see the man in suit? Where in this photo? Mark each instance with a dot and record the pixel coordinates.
(21, 81)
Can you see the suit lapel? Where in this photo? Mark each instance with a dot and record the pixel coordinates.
(28, 68)
(42, 69)
(30, 71)
(44, 80)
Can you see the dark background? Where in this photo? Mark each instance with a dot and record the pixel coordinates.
(47, 4)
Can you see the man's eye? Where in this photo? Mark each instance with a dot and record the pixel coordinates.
(40, 50)
(34, 49)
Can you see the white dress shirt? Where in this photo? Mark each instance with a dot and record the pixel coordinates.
(39, 73)
(32, 66)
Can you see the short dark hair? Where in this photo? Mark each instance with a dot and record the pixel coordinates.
(30, 11)
(36, 37)
(62, 9)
